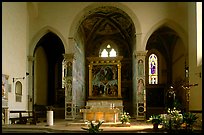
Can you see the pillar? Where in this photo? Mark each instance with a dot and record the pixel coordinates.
(67, 66)
(140, 85)
(119, 79)
(90, 80)
(30, 85)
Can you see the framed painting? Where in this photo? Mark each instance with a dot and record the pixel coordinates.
(104, 77)
(104, 81)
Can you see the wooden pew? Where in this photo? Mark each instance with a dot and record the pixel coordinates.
(23, 117)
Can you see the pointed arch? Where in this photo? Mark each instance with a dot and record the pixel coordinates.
(40, 34)
(171, 24)
(153, 68)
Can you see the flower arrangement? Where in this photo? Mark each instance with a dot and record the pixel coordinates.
(173, 119)
(155, 119)
(189, 119)
(125, 117)
(93, 128)
(176, 118)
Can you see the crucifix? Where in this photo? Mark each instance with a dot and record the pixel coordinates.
(187, 88)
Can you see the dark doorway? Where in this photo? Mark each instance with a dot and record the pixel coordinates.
(52, 50)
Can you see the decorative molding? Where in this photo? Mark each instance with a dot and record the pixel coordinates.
(69, 56)
(140, 53)
(104, 60)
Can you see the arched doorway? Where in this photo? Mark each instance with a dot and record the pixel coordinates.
(47, 71)
(167, 46)
(110, 25)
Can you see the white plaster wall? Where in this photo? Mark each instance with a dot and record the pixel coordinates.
(14, 41)
(199, 33)
(61, 15)
(150, 14)
(57, 15)
(195, 92)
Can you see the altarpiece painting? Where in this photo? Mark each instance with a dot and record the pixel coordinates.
(105, 80)
(104, 77)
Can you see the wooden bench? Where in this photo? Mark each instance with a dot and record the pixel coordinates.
(23, 117)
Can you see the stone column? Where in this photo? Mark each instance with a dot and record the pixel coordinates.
(68, 79)
(140, 85)
(90, 80)
(30, 85)
(119, 79)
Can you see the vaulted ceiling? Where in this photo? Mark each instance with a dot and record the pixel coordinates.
(108, 23)
(164, 40)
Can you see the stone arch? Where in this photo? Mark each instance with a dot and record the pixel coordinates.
(171, 24)
(85, 12)
(32, 46)
(40, 34)
(136, 36)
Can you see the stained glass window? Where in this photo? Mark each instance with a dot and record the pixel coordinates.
(153, 69)
(112, 53)
(108, 51)
(104, 53)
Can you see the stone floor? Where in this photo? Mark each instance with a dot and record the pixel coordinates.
(64, 126)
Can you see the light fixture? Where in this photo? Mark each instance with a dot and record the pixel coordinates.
(17, 78)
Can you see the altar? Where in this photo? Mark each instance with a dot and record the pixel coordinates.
(104, 94)
(98, 114)
(107, 110)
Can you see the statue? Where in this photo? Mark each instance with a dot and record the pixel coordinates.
(171, 95)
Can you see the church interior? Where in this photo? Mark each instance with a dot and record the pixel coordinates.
(96, 60)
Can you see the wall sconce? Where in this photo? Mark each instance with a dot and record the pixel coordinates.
(17, 78)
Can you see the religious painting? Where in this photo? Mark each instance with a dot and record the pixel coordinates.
(153, 67)
(140, 91)
(105, 81)
(5, 89)
(140, 68)
(66, 72)
(4, 86)
(68, 93)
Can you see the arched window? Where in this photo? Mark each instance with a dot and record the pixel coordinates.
(153, 69)
(18, 91)
(104, 53)
(108, 51)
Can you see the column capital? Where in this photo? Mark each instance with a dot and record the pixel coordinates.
(31, 58)
(69, 56)
(140, 53)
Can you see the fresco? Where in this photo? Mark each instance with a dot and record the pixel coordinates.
(4, 87)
